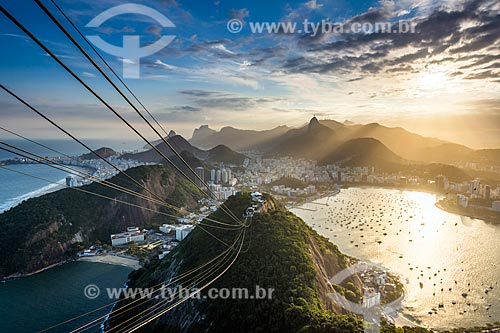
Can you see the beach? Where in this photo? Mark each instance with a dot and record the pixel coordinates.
(113, 259)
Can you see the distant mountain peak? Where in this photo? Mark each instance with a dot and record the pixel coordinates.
(104, 152)
(202, 133)
(313, 122)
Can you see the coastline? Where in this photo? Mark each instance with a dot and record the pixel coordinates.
(487, 218)
(49, 188)
(113, 259)
(109, 259)
(19, 276)
(402, 317)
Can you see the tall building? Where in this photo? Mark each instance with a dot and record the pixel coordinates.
(224, 176)
(212, 175)
(487, 192)
(218, 177)
(69, 181)
(475, 187)
(440, 182)
(200, 172)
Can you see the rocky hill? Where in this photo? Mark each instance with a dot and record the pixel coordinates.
(226, 155)
(280, 252)
(103, 152)
(47, 230)
(219, 153)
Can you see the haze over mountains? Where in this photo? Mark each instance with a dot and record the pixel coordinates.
(391, 149)
(237, 139)
(219, 153)
(321, 138)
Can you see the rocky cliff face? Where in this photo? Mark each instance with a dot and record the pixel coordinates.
(47, 230)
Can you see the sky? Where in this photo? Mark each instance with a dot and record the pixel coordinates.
(442, 80)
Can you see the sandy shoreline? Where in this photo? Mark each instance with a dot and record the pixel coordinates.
(112, 259)
(109, 259)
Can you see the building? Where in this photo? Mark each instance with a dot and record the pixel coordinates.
(462, 201)
(200, 179)
(495, 206)
(475, 188)
(212, 175)
(224, 175)
(487, 192)
(371, 298)
(181, 232)
(167, 228)
(133, 234)
(70, 182)
(441, 182)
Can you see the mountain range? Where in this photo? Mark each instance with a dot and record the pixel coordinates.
(323, 140)
(236, 139)
(218, 153)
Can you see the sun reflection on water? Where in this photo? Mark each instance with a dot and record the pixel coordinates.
(447, 262)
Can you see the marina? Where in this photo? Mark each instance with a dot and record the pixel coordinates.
(437, 255)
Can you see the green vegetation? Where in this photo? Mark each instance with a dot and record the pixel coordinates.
(49, 229)
(224, 154)
(103, 152)
(280, 252)
(289, 182)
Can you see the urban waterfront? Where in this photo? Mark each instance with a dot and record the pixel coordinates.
(440, 257)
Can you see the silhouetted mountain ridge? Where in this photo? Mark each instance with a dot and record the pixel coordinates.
(103, 152)
(224, 154)
(220, 153)
(236, 139)
(362, 152)
(319, 138)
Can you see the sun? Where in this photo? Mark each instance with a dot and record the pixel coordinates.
(433, 77)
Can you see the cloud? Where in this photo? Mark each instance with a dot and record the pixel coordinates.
(154, 29)
(200, 93)
(88, 74)
(238, 14)
(313, 4)
(443, 34)
(222, 100)
(190, 108)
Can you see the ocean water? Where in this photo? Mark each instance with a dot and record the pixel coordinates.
(36, 302)
(68, 147)
(441, 258)
(15, 188)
